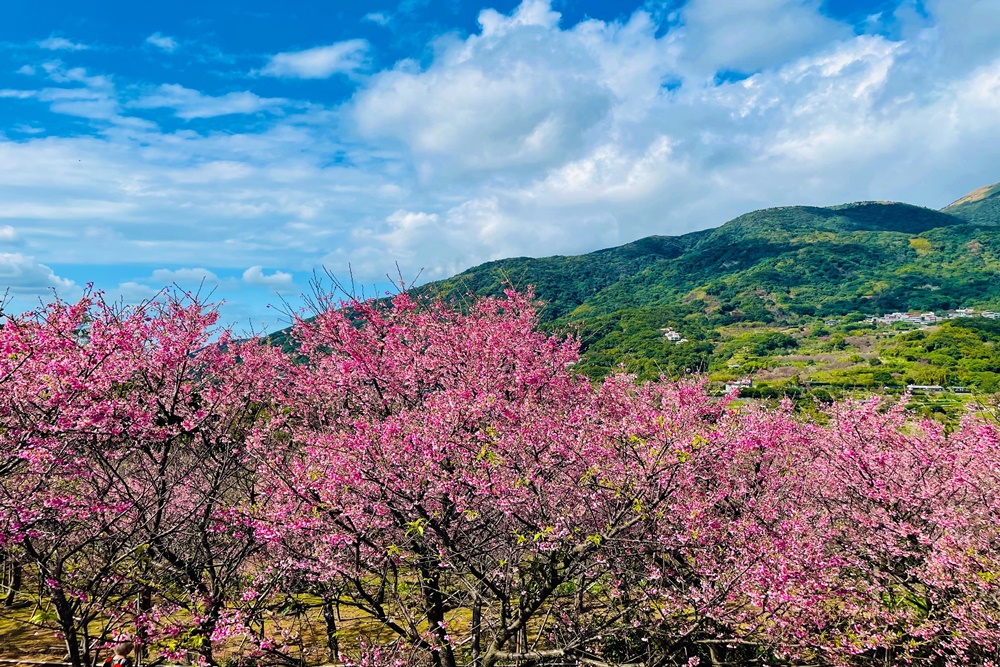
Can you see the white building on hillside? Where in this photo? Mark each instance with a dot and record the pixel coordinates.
(674, 336)
(736, 385)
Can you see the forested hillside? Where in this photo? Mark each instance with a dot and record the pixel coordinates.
(772, 268)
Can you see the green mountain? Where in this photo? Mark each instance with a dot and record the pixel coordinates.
(980, 206)
(774, 267)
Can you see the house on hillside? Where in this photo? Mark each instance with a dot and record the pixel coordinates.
(674, 336)
(920, 319)
(736, 385)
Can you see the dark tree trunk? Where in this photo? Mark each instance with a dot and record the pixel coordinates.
(332, 641)
(522, 633)
(144, 604)
(205, 630)
(64, 612)
(14, 587)
(477, 631)
(434, 600)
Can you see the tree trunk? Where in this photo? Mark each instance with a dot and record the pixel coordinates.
(332, 641)
(16, 577)
(206, 651)
(477, 630)
(67, 625)
(73, 655)
(144, 604)
(205, 631)
(522, 633)
(434, 601)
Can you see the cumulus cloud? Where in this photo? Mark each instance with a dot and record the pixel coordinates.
(23, 275)
(482, 120)
(603, 132)
(61, 44)
(320, 62)
(8, 234)
(134, 292)
(161, 41)
(189, 104)
(194, 275)
(530, 13)
(279, 280)
(527, 137)
(378, 18)
(749, 36)
(522, 93)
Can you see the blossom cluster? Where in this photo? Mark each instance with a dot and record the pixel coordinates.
(431, 483)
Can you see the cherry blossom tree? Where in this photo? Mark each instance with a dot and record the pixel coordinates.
(462, 487)
(440, 471)
(915, 514)
(125, 433)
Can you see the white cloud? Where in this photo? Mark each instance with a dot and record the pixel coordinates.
(528, 137)
(23, 275)
(521, 94)
(26, 70)
(748, 36)
(651, 160)
(8, 234)
(195, 275)
(76, 75)
(24, 128)
(378, 18)
(238, 197)
(61, 44)
(279, 280)
(90, 103)
(78, 93)
(530, 13)
(164, 42)
(133, 292)
(320, 62)
(967, 29)
(189, 104)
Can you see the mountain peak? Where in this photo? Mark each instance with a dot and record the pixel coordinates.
(980, 207)
(862, 216)
(979, 194)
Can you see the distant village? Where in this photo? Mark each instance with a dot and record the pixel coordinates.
(917, 319)
(925, 319)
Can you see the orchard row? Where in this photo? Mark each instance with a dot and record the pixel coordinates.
(442, 474)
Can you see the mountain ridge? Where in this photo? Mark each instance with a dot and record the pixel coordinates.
(782, 265)
(979, 194)
(745, 243)
(981, 206)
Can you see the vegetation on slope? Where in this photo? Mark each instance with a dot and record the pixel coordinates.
(779, 267)
(981, 207)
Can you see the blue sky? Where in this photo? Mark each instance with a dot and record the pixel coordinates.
(244, 145)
